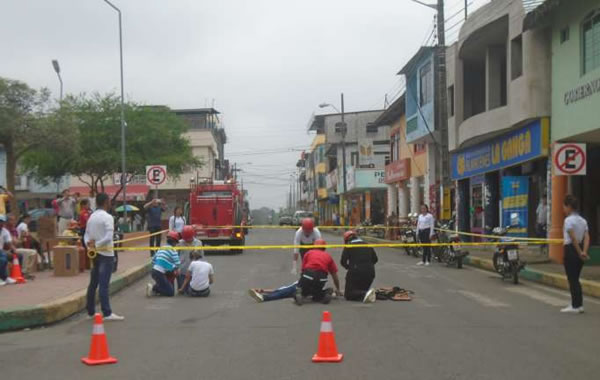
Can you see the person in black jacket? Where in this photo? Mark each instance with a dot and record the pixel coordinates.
(360, 264)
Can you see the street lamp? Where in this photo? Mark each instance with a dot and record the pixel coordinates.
(343, 128)
(57, 70)
(123, 168)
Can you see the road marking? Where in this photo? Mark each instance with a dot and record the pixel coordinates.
(481, 299)
(539, 296)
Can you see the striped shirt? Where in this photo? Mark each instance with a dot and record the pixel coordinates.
(166, 260)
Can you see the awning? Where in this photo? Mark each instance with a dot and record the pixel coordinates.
(134, 192)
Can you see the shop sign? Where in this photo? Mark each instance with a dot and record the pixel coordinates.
(397, 171)
(569, 159)
(582, 92)
(507, 150)
(515, 192)
(365, 179)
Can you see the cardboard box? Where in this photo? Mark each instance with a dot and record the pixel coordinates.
(47, 227)
(66, 260)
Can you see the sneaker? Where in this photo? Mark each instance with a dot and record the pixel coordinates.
(571, 310)
(580, 310)
(371, 296)
(114, 317)
(427, 264)
(149, 291)
(420, 263)
(10, 281)
(2, 283)
(256, 295)
(298, 297)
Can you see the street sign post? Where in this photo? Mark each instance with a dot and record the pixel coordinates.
(156, 175)
(569, 159)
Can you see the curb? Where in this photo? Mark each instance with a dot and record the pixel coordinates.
(57, 310)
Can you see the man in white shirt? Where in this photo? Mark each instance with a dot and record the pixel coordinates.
(199, 276)
(5, 243)
(99, 237)
(305, 235)
(541, 216)
(425, 230)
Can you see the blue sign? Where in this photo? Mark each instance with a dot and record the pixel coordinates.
(515, 191)
(504, 151)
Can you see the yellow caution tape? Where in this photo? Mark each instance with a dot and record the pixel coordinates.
(500, 237)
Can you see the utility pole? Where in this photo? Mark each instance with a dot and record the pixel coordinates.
(442, 102)
(344, 130)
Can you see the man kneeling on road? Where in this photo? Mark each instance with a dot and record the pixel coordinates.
(198, 278)
(165, 262)
(316, 264)
(360, 264)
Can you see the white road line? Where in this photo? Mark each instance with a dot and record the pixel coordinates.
(481, 299)
(539, 296)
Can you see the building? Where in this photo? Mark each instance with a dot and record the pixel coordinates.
(498, 77)
(361, 195)
(407, 165)
(574, 30)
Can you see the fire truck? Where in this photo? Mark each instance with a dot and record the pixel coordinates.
(218, 212)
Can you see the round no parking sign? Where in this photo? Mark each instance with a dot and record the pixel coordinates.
(569, 159)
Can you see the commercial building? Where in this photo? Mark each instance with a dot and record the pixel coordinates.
(574, 29)
(498, 77)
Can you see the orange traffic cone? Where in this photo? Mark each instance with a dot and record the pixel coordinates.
(327, 351)
(99, 347)
(15, 272)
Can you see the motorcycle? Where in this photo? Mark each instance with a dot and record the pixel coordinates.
(506, 257)
(452, 254)
(409, 236)
(117, 236)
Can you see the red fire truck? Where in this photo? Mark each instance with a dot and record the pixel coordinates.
(218, 212)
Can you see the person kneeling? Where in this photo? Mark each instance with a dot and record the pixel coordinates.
(316, 264)
(360, 264)
(165, 263)
(199, 276)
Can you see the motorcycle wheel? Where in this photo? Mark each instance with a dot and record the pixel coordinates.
(459, 262)
(495, 261)
(515, 274)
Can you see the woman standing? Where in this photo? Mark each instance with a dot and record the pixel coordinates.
(576, 240)
(177, 221)
(425, 225)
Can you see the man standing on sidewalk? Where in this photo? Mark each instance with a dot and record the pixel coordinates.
(541, 224)
(99, 237)
(154, 209)
(66, 211)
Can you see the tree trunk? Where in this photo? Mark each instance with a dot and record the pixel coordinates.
(11, 170)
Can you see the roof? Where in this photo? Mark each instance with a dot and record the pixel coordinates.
(537, 12)
(317, 122)
(197, 111)
(412, 63)
(393, 113)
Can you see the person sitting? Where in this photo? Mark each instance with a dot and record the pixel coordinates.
(7, 250)
(199, 276)
(165, 263)
(360, 264)
(264, 295)
(27, 240)
(188, 239)
(316, 265)
(27, 257)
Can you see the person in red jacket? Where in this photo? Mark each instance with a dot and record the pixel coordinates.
(84, 215)
(316, 266)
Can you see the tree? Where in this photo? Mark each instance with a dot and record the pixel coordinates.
(154, 135)
(27, 123)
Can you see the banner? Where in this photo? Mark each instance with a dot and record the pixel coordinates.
(515, 192)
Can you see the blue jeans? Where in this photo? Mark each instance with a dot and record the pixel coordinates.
(3, 265)
(100, 278)
(283, 292)
(162, 284)
(180, 281)
(194, 293)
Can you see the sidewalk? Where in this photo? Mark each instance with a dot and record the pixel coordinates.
(49, 299)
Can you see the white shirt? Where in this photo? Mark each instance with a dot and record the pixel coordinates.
(579, 226)
(4, 238)
(301, 238)
(425, 222)
(176, 224)
(541, 211)
(200, 271)
(22, 229)
(100, 228)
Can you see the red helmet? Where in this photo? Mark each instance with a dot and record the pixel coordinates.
(320, 242)
(349, 235)
(173, 235)
(308, 225)
(188, 233)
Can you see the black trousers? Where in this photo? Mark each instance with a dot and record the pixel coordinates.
(358, 282)
(154, 240)
(573, 265)
(312, 284)
(424, 238)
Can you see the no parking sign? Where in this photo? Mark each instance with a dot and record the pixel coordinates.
(569, 159)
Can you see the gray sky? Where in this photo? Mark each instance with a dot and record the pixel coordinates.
(266, 63)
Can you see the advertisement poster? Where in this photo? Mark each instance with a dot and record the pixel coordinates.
(515, 192)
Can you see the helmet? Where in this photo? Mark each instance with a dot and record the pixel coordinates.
(348, 235)
(173, 236)
(320, 242)
(308, 225)
(188, 233)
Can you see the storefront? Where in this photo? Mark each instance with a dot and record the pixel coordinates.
(502, 176)
(366, 195)
(397, 173)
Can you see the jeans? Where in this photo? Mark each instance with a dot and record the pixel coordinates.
(425, 238)
(154, 240)
(573, 265)
(162, 285)
(3, 265)
(283, 292)
(358, 282)
(180, 281)
(312, 284)
(195, 293)
(100, 278)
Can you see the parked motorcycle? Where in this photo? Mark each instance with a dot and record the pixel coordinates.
(506, 257)
(409, 236)
(451, 254)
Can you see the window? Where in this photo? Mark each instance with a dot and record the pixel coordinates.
(322, 180)
(354, 159)
(451, 101)
(371, 128)
(564, 35)
(420, 148)
(516, 58)
(395, 148)
(591, 41)
(426, 85)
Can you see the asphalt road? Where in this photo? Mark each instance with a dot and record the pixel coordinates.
(462, 324)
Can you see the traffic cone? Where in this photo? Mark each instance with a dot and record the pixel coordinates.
(15, 272)
(327, 351)
(99, 347)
